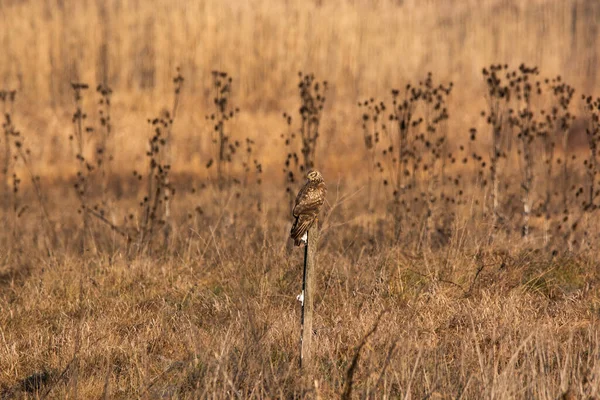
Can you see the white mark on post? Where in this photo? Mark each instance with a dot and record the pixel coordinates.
(300, 298)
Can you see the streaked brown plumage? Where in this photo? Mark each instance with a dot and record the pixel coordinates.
(308, 204)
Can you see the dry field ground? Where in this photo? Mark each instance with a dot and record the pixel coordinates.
(150, 151)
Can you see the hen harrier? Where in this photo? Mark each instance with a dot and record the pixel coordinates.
(308, 203)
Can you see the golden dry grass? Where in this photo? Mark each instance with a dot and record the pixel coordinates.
(207, 309)
(220, 320)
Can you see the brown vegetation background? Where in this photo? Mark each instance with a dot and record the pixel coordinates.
(207, 308)
(363, 48)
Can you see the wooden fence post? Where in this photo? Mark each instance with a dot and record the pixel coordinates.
(308, 292)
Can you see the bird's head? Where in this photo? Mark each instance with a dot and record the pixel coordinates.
(314, 176)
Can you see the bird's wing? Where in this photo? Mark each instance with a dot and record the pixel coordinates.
(300, 196)
(301, 227)
(309, 200)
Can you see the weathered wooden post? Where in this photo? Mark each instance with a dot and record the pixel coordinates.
(306, 298)
(305, 229)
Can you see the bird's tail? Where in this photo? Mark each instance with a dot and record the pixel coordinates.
(299, 228)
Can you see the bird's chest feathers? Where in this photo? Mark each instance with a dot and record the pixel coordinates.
(321, 188)
(317, 190)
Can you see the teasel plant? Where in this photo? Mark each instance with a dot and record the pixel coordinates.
(556, 126)
(85, 167)
(373, 123)
(11, 180)
(94, 171)
(226, 146)
(559, 119)
(591, 109)
(7, 97)
(524, 122)
(250, 165)
(301, 142)
(433, 143)
(104, 149)
(15, 140)
(169, 118)
(586, 195)
(312, 101)
(103, 211)
(158, 185)
(399, 157)
(496, 78)
(291, 163)
(156, 204)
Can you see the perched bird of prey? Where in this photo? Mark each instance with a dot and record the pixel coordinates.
(308, 204)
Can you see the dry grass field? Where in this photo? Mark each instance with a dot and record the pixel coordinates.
(150, 152)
